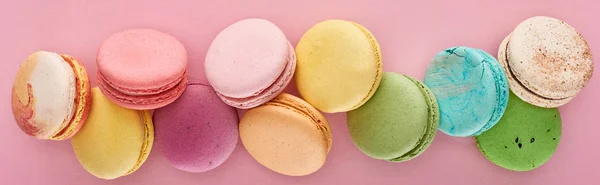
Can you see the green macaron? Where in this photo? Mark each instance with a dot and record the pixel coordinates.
(398, 123)
(525, 137)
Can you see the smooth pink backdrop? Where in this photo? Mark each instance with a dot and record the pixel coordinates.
(410, 34)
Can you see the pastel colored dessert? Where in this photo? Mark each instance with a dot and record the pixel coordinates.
(398, 123)
(471, 90)
(249, 63)
(142, 69)
(339, 66)
(524, 139)
(547, 61)
(115, 141)
(287, 135)
(197, 132)
(50, 96)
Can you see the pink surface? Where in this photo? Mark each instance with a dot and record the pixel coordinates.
(410, 34)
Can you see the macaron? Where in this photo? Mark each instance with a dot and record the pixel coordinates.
(115, 141)
(524, 139)
(471, 90)
(142, 68)
(50, 96)
(286, 135)
(249, 63)
(547, 61)
(339, 66)
(398, 123)
(197, 132)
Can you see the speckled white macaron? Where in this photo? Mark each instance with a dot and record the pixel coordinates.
(546, 61)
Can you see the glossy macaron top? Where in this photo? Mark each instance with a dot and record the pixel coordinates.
(115, 141)
(549, 57)
(50, 96)
(197, 132)
(141, 61)
(398, 123)
(471, 89)
(246, 58)
(339, 65)
(286, 135)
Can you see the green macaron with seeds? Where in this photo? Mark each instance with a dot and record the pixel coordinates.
(525, 137)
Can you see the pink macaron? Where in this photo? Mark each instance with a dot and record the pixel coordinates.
(249, 63)
(142, 68)
(197, 132)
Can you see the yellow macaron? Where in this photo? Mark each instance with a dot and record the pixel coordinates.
(339, 65)
(114, 141)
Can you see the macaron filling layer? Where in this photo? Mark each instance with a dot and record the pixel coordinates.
(148, 99)
(137, 92)
(268, 93)
(81, 101)
(148, 140)
(505, 61)
(299, 107)
(377, 53)
(501, 90)
(431, 127)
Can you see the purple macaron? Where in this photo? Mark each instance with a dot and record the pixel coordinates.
(197, 132)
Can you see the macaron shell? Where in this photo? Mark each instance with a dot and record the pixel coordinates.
(142, 60)
(467, 89)
(525, 137)
(269, 93)
(246, 58)
(393, 121)
(550, 57)
(115, 141)
(43, 95)
(339, 66)
(197, 132)
(143, 102)
(516, 86)
(83, 99)
(292, 102)
(286, 139)
(502, 90)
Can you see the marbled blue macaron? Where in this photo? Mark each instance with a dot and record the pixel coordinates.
(471, 89)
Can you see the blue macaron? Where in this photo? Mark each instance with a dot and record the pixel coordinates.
(471, 89)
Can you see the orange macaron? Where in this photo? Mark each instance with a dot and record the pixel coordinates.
(287, 135)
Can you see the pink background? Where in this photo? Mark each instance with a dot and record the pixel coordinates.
(410, 34)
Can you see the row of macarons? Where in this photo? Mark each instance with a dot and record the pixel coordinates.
(338, 68)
